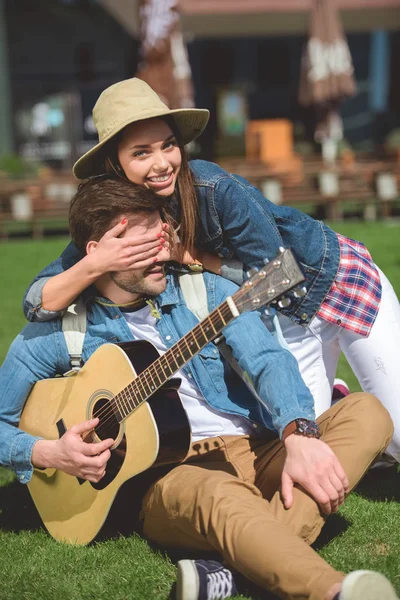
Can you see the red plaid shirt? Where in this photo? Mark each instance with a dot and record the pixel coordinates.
(354, 298)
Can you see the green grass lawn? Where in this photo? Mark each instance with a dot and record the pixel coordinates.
(365, 534)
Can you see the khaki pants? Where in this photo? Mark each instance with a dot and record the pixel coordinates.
(225, 498)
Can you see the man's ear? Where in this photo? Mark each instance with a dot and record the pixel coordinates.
(91, 246)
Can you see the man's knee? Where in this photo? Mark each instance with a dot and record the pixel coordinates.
(372, 422)
(187, 490)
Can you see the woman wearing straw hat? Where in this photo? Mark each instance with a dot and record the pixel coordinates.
(228, 226)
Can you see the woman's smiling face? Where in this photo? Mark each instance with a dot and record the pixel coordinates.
(149, 154)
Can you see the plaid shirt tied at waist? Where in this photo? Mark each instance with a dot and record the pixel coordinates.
(354, 298)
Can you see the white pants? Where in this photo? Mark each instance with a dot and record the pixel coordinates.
(374, 359)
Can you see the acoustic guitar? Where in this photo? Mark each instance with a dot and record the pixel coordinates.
(128, 386)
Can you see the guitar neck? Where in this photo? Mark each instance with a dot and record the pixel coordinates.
(262, 288)
(157, 374)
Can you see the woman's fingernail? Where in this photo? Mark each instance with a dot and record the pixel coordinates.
(124, 220)
(165, 225)
(155, 259)
(160, 235)
(160, 247)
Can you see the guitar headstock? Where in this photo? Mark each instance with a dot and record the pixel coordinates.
(266, 285)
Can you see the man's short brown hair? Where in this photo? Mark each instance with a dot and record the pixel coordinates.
(100, 201)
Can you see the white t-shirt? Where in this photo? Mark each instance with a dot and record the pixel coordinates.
(204, 421)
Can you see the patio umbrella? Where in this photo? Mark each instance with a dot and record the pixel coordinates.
(164, 62)
(326, 74)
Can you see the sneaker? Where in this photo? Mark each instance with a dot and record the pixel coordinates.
(367, 585)
(340, 390)
(204, 580)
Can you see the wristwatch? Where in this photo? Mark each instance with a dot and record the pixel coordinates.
(302, 427)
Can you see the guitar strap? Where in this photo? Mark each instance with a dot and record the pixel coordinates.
(74, 329)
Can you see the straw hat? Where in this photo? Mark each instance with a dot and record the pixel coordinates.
(126, 102)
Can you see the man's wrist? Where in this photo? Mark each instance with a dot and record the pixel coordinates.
(43, 454)
(302, 427)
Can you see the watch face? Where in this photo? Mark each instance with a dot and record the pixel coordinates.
(305, 427)
(302, 425)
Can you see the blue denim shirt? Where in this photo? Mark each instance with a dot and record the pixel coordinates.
(237, 221)
(40, 352)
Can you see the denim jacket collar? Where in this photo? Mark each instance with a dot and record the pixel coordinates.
(171, 294)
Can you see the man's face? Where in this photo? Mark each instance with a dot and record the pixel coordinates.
(149, 281)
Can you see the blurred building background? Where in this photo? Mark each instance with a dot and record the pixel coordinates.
(56, 56)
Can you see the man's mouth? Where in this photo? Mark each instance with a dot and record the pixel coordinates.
(159, 268)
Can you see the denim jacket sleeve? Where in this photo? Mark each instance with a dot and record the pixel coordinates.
(232, 268)
(246, 220)
(32, 303)
(272, 369)
(25, 364)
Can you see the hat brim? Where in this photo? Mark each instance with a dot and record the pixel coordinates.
(191, 123)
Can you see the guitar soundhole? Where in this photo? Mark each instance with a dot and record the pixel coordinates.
(108, 426)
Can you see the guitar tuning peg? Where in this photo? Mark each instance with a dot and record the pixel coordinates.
(284, 302)
(267, 312)
(281, 249)
(251, 272)
(299, 292)
(266, 261)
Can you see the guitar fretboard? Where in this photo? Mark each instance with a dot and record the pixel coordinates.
(157, 374)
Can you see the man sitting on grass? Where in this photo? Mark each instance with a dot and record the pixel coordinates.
(260, 476)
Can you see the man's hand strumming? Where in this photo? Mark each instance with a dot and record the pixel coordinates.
(72, 455)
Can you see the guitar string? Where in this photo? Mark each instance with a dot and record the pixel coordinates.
(153, 369)
(109, 411)
(216, 318)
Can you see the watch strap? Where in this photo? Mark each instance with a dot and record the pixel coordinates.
(289, 429)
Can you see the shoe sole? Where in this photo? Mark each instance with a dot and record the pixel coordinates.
(367, 585)
(187, 582)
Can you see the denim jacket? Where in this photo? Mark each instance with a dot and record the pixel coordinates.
(40, 352)
(237, 221)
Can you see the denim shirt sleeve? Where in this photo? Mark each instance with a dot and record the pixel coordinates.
(32, 356)
(32, 303)
(272, 369)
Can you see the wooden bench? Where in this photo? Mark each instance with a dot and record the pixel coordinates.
(355, 185)
(46, 205)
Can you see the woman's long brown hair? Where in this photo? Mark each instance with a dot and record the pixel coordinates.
(185, 193)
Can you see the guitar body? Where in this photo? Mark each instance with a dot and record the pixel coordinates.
(157, 432)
